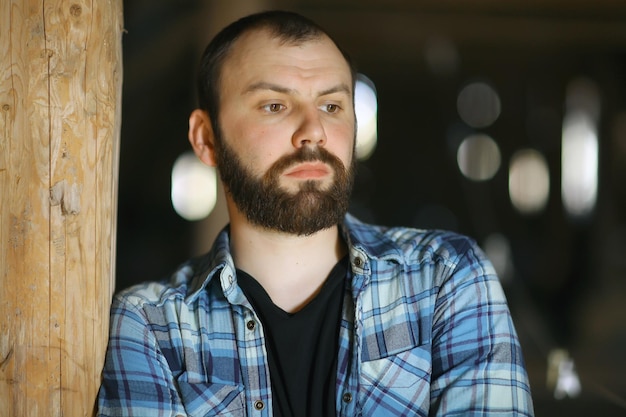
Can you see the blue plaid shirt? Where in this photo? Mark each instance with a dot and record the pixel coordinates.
(425, 331)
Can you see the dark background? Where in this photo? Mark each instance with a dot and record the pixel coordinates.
(569, 286)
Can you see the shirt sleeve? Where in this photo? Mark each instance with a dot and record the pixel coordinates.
(136, 379)
(477, 363)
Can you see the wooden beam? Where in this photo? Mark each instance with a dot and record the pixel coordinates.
(60, 97)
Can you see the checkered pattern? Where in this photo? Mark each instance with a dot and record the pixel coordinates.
(425, 332)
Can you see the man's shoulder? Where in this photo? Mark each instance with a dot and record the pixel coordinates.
(431, 242)
(184, 284)
(412, 244)
(159, 292)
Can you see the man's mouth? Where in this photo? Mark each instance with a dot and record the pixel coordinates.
(309, 170)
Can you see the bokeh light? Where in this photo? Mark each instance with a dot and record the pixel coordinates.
(478, 104)
(478, 157)
(579, 165)
(194, 187)
(366, 108)
(529, 181)
(579, 148)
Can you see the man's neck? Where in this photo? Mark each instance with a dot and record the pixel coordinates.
(291, 268)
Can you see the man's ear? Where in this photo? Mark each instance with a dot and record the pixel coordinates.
(201, 136)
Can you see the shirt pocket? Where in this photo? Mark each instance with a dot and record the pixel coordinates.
(205, 399)
(396, 384)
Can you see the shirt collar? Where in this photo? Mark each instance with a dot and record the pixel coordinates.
(217, 262)
(374, 242)
(364, 241)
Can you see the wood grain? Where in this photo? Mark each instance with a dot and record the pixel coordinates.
(60, 98)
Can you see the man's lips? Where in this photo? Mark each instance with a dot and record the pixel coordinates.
(308, 170)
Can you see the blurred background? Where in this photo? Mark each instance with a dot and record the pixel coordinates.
(502, 120)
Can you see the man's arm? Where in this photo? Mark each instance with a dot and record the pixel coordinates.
(478, 368)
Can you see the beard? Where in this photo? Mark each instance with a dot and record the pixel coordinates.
(265, 203)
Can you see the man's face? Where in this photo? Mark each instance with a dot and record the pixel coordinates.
(286, 133)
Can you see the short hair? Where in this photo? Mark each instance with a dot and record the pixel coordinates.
(289, 27)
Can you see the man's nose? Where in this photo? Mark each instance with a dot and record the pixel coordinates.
(310, 130)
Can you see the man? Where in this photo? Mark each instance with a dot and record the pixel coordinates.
(299, 309)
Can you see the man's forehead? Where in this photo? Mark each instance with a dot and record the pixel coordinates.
(253, 40)
(267, 34)
(260, 45)
(256, 38)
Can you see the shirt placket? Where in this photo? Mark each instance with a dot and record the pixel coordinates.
(250, 348)
(254, 363)
(349, 349)
(346, 378)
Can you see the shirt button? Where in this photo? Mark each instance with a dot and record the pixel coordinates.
(230, 279)
(251, 325)
(358, 262)
(347, 397)
(259, 405)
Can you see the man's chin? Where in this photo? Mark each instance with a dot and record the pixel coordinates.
(295, 187)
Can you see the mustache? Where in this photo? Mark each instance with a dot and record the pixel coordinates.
(305, 154)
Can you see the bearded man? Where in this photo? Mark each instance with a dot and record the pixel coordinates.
(299, 309)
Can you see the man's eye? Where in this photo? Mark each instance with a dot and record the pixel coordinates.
(332, 108)
(273, 107)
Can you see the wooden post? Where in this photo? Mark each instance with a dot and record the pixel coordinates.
(60, 96)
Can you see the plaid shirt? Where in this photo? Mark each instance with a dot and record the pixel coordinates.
(425, 331)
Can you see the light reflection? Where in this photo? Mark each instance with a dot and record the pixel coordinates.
(579, 148)
(562, 376)
(529, 181)
(579, 164)
(194, 187)
(478, 157)
(366, 108)
(478, 105)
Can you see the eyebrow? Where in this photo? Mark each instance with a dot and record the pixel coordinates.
(264, 85)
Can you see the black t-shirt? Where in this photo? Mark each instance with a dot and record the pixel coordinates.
(302, 347)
